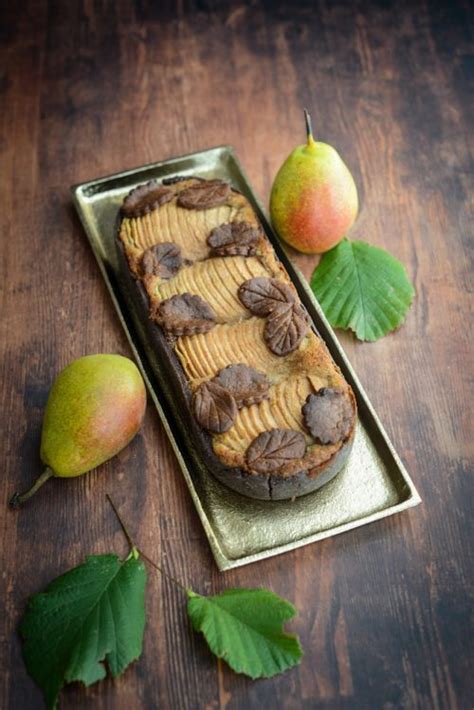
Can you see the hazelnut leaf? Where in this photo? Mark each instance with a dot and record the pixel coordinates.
(362, 288)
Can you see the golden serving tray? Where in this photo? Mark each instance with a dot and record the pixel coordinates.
(374, 482)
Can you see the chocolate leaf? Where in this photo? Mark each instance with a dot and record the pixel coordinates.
(145, 198)
(247, 385)
(233, 238)
(163, 260)
(214, 407)
(260, 295)
(328, 415)
(285, 328)
(203, 195)
(272, 449)
(185, 314)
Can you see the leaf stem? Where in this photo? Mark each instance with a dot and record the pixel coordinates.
(18, 499)
(122, 524)
(140, 552)
(162, 571)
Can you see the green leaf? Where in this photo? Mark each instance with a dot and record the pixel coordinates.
(363, 288)
(244, 627)
(93, 613)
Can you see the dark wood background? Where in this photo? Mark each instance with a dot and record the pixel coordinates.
(89, 88)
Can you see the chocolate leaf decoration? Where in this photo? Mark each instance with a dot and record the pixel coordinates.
(285, 328)
(203, 195)
(247, 385)
(261, 295)
(214, 407)
(328, 415)
(233, 238)
(185, 314)
(272, 449)
(163, 260)
(145, 198)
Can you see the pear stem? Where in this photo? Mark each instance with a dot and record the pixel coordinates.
(309, 129)
(18, 499)
(140, 552)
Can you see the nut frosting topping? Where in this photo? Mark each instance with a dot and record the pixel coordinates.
(272, 449)
(145, 198)
(203, 195)
(246, 384)
(163, 260)
(233, 239)
(328, 415)
(185, 314)
(214, 407)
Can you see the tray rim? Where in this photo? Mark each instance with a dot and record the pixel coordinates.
(412, 499)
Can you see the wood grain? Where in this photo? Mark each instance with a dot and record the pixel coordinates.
(89, 88)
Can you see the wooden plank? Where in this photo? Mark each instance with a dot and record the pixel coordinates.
(92, 88)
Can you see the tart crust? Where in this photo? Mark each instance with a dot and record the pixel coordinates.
(237, 336)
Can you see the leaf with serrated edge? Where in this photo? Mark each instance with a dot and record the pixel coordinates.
(93, 613)
(362, 288)
(244, 628)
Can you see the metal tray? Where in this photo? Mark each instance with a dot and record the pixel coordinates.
(374, 482)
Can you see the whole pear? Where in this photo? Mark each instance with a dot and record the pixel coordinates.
(94, 409)
(313, 201)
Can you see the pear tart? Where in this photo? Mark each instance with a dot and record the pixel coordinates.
(267, 409)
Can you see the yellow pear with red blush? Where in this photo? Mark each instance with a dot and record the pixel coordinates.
(95, 407)
(313, 202)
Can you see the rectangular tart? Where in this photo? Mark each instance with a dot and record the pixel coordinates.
(266, 406)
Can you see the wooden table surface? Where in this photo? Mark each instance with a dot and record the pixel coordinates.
(90, 88)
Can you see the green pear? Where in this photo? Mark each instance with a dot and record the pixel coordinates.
(313, 202)
(95, 407)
